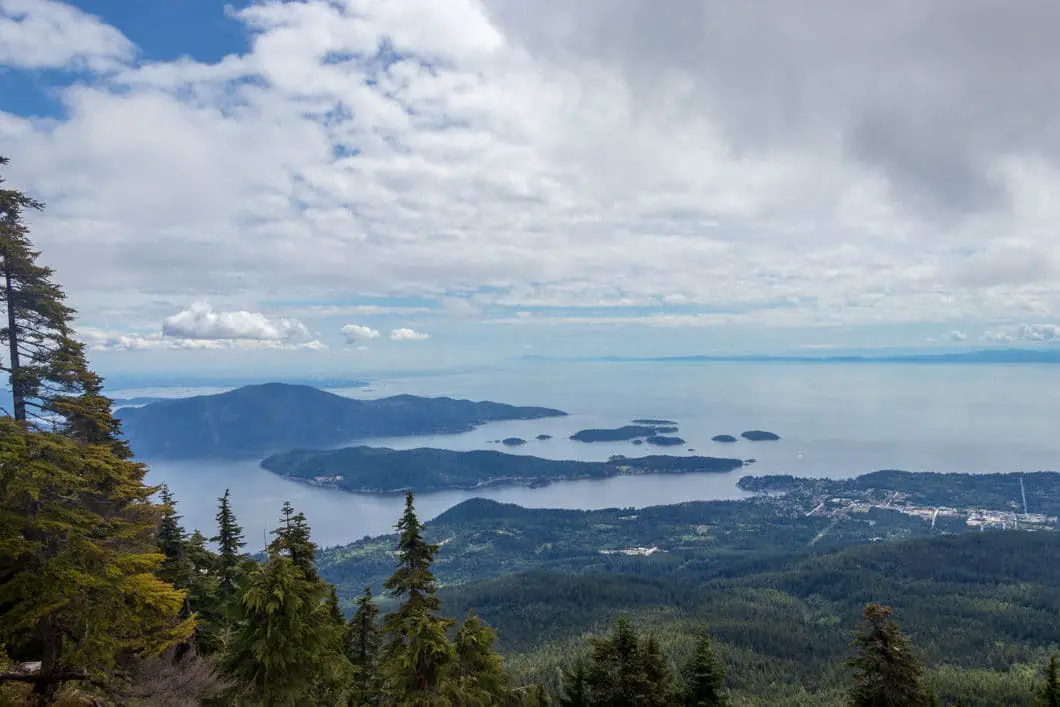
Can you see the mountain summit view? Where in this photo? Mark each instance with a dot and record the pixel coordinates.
(484, 353)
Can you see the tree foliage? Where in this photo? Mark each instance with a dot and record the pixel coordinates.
(702, 676)
(886, 671)
(1048, 693)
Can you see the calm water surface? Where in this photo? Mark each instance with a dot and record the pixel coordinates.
(836, 420)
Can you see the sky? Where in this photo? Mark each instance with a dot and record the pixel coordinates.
(338, 185)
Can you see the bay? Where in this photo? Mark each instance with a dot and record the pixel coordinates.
(836, 420)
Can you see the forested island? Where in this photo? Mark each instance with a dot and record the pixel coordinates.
(259, 419)
(365, 469)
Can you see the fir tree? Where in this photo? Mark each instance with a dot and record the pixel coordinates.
(626, 671)
(1048, 693)
(886, 672)
(363, 641)
(575, 689)
(417, 652)
(703, 677)
(283, 644)
(293, 540)
(479, 678)
(77, 526)
(171, 542)
(230, 545)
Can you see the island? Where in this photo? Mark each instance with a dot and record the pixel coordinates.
(621, 434)
(257, 420)
(727, 439)
(381, 470)
(663, 441)
(513, 441)
(544, 437)
(654, 423)
(760, 436)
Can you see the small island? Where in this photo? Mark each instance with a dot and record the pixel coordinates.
(760, 436)
(727, 439)
(655, 423)
(621, 434)
(513, 441)
(382, 470)
(663, 441)
(544, 437)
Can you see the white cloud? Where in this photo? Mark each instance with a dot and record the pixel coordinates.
(101, 340)
(958, 336)
(358, 332)
(408, 335)
(652, 162)
(1024, 332)
(200, 322)
(44, 34)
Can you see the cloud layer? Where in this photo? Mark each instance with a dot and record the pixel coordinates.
(408, 335)
(605, 161)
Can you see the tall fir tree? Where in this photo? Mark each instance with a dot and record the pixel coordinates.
(293, 539)
(230, 544)
(170, 541)
(702, 676)
(886, 671)
(77, 525)
(626, 671)
(363, 642)
(417, 651)
(479, 678)
(575, 690)
(1048, 693)
(284, 641)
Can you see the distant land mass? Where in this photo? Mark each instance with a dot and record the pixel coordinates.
(259, 419)
(649, 421)
(664, 441)
(127, 382)
(382, 470)
(980, 356)
(760, 436)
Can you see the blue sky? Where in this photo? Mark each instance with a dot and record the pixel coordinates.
(251, 187)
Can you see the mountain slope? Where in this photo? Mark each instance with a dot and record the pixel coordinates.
(258, 419)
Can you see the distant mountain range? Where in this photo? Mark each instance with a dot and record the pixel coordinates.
(981, 356)
(259, 419)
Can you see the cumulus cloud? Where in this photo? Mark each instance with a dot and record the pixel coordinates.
(958, 336)
(356, 332)
(716, 156)
(44, 34)
(200, 322)
(1024, 332)
(408, 335)
(102, 340)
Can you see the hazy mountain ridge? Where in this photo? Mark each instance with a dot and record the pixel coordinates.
(259, 419)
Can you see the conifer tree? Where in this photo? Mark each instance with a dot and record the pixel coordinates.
(575, 689)
(363, 641)
(230, 545)
(1048, 693)
(171, 542)
(282, 647)
(479, 678)
(417, 652)
(293, 540)
(77, 526)
(886, 672)
(627, 671)
(703, 677)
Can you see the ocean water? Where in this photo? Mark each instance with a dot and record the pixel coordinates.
(835, 419)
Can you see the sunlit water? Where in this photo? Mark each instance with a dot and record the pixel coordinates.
(836, 420)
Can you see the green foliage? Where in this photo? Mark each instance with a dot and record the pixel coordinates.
(363, 642)
(230, 544)
(284, 642)
(293, 540)
(417, 652)
(170, 541)
(624, 670)
(702, 676)
(479, 678)
(1048, 693)
(886, 672)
